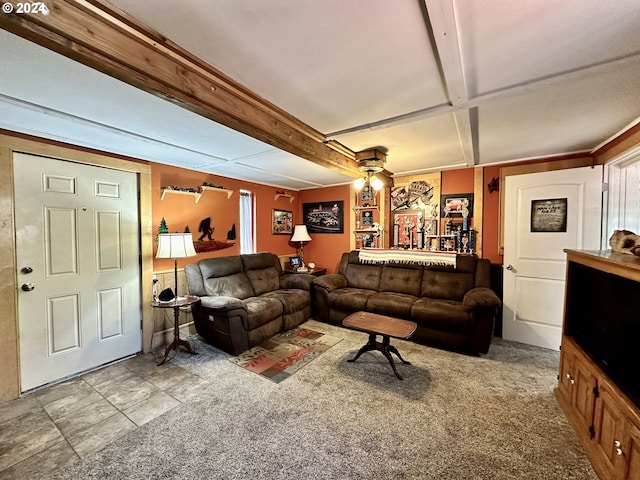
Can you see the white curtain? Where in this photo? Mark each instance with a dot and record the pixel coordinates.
(246, 222)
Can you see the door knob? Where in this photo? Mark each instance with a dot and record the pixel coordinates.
(27, 287)
(509, 267)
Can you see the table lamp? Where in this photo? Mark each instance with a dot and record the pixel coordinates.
(175, 245)
(301, 235)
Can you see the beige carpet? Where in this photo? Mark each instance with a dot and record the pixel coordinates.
(452, 417)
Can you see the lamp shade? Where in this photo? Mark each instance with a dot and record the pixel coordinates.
(175, 245)
(300, 234)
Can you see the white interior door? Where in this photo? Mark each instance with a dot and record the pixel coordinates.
(77, 251)
(544, 214)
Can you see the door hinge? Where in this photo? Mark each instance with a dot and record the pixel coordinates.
(596, 392)
(592, 431)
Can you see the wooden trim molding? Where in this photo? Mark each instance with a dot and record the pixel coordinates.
(9, 347)
(97, 35)
(478, 207)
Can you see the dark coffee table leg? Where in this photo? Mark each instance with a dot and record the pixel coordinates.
(385, 348)
(370, 345)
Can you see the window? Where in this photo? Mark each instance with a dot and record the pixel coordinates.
(623, 205)
(247, 223)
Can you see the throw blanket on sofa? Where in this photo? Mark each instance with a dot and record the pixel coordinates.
(407, 256)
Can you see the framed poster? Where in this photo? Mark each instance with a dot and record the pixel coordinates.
(282, 222)
(408, 221)
(324, 217)
(457, 205)
(549, 215)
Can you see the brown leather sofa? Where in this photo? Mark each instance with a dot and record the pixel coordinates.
(246, 299)
(453, 307)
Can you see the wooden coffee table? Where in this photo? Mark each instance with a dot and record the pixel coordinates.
(387, 327)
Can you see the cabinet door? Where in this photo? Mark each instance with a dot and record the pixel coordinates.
(566, 380)
(610, 423)
(583, 392)
(631, 451)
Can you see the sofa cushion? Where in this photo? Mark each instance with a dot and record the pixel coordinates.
(235, 285)
(293, 300)
(220, 267)
(262, 310)
(349, 299)
(401, 279)
(256, 261)
(441, 314)
(451, 285)
(392, 304)
(363, 276)
(264, 280)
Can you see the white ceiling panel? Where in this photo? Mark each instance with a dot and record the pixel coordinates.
(333, 64)
(523, 126)
(418, 145)
(508, 43)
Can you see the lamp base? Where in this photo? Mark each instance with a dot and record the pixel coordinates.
(302, 269)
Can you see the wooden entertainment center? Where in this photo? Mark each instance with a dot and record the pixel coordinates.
(605, 418)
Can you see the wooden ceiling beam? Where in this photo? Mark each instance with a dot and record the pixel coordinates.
(101, 37)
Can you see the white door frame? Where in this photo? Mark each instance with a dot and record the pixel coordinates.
(9, 354)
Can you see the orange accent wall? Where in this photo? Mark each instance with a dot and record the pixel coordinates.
(180, 211)
(490, 216)
(456, 181)
(326, 249)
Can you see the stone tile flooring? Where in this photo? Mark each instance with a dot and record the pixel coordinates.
(53, 427)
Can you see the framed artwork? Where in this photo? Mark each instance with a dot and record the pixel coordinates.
(549, 215)
(408, 221)
(282, 223)
(458, 205)
(399, 198)
(294, 262)
(367, 193)
(324, 217)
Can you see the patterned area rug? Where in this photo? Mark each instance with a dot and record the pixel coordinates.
(283, 355)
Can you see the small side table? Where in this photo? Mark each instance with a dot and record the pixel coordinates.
(317, 271)
(176, 303)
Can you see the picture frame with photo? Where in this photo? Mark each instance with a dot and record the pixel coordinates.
(282, 222)
(457, 205)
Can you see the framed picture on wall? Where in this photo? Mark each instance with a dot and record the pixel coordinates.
(282, 223)
(324, 217)
(458, 205)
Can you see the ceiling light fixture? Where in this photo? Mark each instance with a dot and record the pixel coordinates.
(370, 162)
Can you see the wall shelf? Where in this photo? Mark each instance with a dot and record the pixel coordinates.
(285, 195)
(197, 195)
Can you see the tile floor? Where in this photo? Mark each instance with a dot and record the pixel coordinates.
(53, 427)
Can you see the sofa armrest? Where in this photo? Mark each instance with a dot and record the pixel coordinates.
(221, 305)
(330, 282)
(301, 281)
(480, 297)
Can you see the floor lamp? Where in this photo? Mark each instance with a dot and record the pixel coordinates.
(301, 235)
(175, 245)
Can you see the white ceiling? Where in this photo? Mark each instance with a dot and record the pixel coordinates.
(439, 84)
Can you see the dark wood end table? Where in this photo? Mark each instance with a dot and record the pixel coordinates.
(176, 303)
(387, 327)
(317, 271)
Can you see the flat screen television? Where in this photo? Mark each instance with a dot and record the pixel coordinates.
(603, 317)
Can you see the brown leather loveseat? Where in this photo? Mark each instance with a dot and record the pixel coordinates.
(246, 299)
(453, 307)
